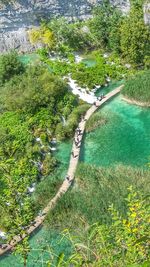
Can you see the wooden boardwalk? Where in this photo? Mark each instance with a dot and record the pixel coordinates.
(70, 174)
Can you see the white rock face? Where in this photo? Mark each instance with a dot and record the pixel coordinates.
(147, 13)
(16, 19)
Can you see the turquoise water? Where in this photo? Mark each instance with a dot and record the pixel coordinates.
(124, 139)
(106, 89)
(44, 243)
(89, 62)
(29, 58)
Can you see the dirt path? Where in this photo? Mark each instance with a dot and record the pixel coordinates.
(71, 170)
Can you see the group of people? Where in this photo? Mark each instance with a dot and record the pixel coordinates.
(77, 142)
(99, 99)
(68, 178)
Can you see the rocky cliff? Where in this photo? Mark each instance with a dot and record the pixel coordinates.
(16, 18)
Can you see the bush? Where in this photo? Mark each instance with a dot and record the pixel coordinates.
(9, 66)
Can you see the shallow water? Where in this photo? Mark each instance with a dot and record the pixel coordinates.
(44, 243)
(124, 139)
(29, 58)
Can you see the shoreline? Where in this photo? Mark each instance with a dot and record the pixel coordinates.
(135, 102)
(69, 178)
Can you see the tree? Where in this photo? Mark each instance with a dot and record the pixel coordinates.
(33, 90)
(135, 35)
(42, 35)
(105, 26)
(9, 66)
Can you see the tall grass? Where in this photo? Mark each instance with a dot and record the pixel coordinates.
(96, 120)
(94, 190)
(138, 87)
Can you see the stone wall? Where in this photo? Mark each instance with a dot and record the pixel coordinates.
(17, 18)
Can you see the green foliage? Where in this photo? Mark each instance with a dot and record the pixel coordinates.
(49, 164)
(95, 121)
(33, 90)
(138, 87)
(105, 26)
(43, 35)
(67, 130)
(16, 204)
(125, 242)
(70, 35)
(108, 29)
(47, 188)
(89, 76)
(96, 189)
(60, 68)
(135, 35)
(9, 66)
(33, 106)
(97, 73)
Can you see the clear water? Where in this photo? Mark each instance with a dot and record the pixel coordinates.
(89, 62)
(29, 58)
(124, 139)
(43, 243)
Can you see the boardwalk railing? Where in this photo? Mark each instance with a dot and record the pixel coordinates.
(70, 174)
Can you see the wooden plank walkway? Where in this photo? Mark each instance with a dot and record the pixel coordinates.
(70, 174)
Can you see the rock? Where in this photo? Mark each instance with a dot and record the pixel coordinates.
(2, 235)
(16, 19)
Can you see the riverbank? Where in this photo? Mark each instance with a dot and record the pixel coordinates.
(70, 174)
(135, 102)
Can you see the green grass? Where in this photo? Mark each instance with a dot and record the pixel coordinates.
(138, 87)
(95, 121)
(94, 191)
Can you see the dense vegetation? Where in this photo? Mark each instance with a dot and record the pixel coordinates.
(126, 36)
(88, 76)
(138, 88)
(34, 105)
(124, 242)
(96, 189)
(89, 202)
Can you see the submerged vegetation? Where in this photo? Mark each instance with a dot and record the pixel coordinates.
(95, 121)
(124, 242)
(95, 190)
(38, 109)
(106, 222)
